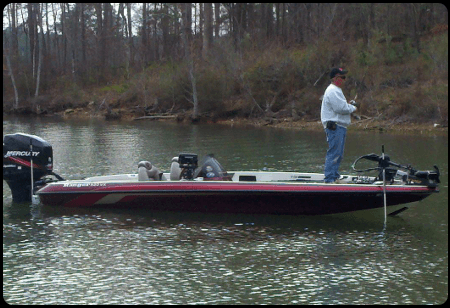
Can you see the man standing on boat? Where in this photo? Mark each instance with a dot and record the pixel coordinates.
(335, 116)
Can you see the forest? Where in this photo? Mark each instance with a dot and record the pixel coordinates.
(225, 60)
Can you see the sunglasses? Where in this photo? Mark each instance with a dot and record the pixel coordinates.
(342, 77)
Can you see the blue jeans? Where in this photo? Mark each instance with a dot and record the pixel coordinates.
(335, 153)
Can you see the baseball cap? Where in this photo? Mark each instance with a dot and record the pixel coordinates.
(335, 71)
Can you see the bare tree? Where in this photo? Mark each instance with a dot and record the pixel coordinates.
(217, 19)
(187, 39)
(11, 74)
(89, 41)
(40, 45)
(208, 31)
(130, 35)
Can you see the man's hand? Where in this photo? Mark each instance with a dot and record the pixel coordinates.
(352, 102)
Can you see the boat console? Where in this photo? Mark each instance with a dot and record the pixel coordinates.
(186, 167)
(188, 162)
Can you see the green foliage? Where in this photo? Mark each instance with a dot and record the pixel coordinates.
(364, 57)
(169, 84)
(437, 50)
(116, 88)
(212, 88)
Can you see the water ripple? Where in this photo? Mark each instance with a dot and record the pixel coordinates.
(95, 259)
(74, 256)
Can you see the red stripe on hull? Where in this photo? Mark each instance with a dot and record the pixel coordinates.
(224, 186)
(260, 198)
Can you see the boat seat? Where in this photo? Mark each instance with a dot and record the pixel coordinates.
(175, 170)
(147, 172)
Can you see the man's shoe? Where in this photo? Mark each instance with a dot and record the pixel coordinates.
(338, 181)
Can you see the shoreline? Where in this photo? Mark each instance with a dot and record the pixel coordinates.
(373, 126)
(368, 124)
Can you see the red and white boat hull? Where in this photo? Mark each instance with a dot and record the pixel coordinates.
(236, 197)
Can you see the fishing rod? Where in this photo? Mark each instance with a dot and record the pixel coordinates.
(384, 184)
(31, 163)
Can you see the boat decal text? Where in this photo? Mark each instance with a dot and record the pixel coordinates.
(22, 153)
(83, 184)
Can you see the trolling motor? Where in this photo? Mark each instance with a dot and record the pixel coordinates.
(26, 160)
(409, 176)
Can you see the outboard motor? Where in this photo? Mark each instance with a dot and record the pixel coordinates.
(19, 151)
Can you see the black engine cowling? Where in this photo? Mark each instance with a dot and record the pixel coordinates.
(18, 152)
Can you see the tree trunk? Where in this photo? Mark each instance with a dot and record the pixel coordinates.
(415, 20)
(8, 63)
(217, 19)
(14, 39)
(144, 34)
(98, 11)
(31, 32)
(64, 37)
(57, 49)
(40, 44)
(186, 36)
(83, 35)
(208, 31)
(130, 35)
(165, 30)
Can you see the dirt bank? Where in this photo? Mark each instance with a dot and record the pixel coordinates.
(397, 125)
(364, 125)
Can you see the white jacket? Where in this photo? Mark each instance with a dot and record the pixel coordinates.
(335, 107)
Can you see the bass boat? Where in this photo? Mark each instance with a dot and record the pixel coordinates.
(206, 186)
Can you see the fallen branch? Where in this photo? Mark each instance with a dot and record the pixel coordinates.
(366, 118)
(155, 117)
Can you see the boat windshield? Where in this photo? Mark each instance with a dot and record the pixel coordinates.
(210, 169)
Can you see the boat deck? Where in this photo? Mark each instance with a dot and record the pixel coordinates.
(252, 176)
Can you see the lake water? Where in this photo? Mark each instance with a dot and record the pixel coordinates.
(101, 256)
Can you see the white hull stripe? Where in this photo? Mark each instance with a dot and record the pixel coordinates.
(111, 198)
